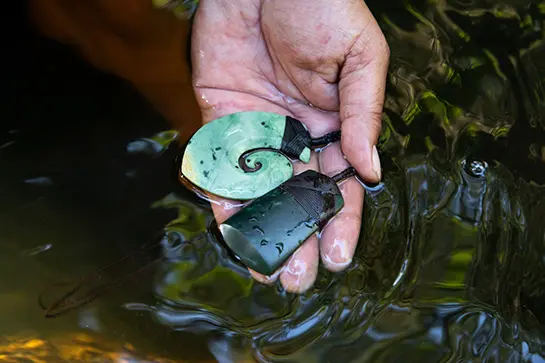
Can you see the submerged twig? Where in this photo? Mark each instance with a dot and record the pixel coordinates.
(92, 286)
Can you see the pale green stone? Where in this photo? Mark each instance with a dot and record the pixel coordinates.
(305, 156)
(211, 158)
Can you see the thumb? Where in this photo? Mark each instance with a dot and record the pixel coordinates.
(361, 91)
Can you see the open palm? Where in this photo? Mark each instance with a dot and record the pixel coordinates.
(323, 62)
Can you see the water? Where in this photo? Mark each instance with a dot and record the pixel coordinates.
(451, 263)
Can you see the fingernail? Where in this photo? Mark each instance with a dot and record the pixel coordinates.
(338, 255)
(264, 279)
(376, 162)
(274, 276)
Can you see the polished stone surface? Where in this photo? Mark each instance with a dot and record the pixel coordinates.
(211, 159)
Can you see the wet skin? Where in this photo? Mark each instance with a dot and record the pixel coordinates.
(322, 62)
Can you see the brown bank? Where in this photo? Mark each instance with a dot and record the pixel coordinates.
(133, 40)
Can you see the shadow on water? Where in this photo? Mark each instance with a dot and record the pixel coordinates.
(451, 264)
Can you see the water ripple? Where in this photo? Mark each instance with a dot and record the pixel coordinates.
(450, 266)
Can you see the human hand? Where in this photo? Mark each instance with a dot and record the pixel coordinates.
(323, 62)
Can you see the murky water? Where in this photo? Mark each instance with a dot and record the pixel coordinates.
(451, 264)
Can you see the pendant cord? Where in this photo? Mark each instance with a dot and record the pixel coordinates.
(326, 139)
(345, 174)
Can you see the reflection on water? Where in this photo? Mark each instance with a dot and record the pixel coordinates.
(451, 264)
(72, 348)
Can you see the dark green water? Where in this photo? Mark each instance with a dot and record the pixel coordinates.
(451, 265)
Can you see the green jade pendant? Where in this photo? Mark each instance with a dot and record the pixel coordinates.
(244, 155)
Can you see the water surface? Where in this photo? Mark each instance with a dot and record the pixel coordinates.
(451, 263)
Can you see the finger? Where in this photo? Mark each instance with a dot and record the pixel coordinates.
(339, 239)
(305, 278)
(318, 122)
(302, 268)
(361, 88)
(264, 279)
(223, 208)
